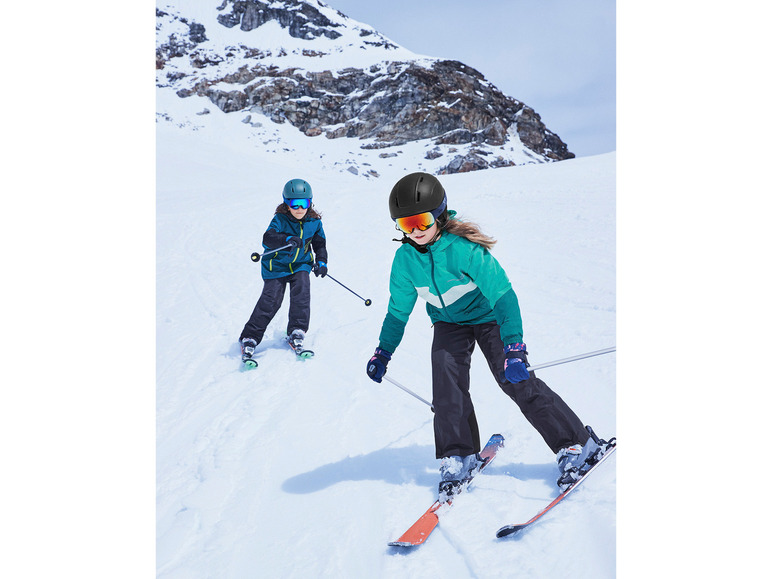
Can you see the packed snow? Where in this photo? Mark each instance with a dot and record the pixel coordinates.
(308, 468)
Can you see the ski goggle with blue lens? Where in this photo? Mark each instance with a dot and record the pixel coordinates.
(420, 221)
(298, 203)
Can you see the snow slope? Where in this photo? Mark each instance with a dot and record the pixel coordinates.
(308, 469)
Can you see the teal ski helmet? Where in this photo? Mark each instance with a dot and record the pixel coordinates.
(297, 189)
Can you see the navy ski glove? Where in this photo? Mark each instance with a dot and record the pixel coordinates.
(376, 367)
(320, 269)
(294, 241)
(515, 363)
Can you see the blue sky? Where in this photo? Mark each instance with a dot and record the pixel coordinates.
(556, 56)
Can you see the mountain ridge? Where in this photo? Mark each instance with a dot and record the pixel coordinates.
(307, 64)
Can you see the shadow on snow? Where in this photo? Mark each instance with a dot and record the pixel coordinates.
(413, 464)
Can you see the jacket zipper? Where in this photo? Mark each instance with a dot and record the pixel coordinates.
(436, 287)
(297, 251)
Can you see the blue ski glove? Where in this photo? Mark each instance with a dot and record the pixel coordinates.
(515, 363)
(294, 241)
(319, 269)
(376, 367)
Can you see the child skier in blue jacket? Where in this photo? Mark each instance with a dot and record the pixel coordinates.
(296, 223)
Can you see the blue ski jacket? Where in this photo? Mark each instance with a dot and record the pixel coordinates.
(288, 261)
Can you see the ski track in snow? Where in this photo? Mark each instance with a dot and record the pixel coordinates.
(307, 468)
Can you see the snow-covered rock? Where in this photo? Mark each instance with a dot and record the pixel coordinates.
(306, 64)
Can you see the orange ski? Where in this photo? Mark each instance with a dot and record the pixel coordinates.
(423, 527)
(511, 529)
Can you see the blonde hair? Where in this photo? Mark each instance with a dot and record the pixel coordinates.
(470, 231)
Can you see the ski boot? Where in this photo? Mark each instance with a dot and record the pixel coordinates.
(455, 472)
(295, 340)
(248, 346)
(601, 447)
(575, 461)
(569, 461)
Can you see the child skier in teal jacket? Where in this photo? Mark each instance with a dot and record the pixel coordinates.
(469, 300)
(297, 224)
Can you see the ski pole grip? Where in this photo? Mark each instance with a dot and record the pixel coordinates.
(256, 256)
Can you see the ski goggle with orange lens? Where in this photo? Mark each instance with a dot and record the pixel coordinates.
(422, 222)
(298, 203)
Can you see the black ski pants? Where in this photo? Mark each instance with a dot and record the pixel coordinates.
(455, 424)
(271, 299)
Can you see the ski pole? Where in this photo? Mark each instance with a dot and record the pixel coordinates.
(398, 385)
(530, 369)
(256, 256)
(367, 301)
(573, 359)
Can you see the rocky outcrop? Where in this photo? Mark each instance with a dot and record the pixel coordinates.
(300, 19)
(178, 44)
(449, 102)
(387, 104)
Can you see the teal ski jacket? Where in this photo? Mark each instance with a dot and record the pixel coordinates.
(461, 282)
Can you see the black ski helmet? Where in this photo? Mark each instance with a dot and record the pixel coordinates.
(417, 193)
